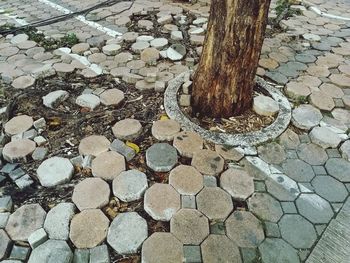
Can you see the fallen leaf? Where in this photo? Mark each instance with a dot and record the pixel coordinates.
(133, 146)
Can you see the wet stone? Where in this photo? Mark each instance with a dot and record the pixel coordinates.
(161, 202)
(325, 137)
(189, 226)
(83, 197)
(238, 183)
(298, 170)
(272, 153)
(265, 207)
(314, 208)
(162, 247)
(18, 150)
(93, 145)
(306, 116)
(186, 180)
(244, 229)
(130, 185)
(24, 221)
(207, 162)
(55, 171)
(215, 203)
(127, 233)
(161, 157)
(329, 188)
(219, 248)
(88, 228)
(165, 129)
(277, 250)
(18, 124)
(312, 154)
(52, 249)
(127, 129)
(58, 219)
(339, 168)
(297, 231)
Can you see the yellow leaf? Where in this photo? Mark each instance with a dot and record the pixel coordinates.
(164, 117)
(133, 146)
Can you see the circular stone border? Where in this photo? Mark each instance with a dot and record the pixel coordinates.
(243, 139)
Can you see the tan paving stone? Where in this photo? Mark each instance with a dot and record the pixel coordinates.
(18, 124)
(18, 150)
(127, 129)
(322, 101)
(186, 180)
(165, 129)
(208, 162)
(108, 165)
(265, 207)
(238, 183)
(94, 145)
(187, 143)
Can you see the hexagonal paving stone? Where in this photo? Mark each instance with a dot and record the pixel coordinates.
(339, 168)
(94, 145)
(91, 193)
(278, 250)
(297, 231)
(108, 165)
(322, 101)
(186, 180)
(298, 170)
(89, 228)
(52, 249)
(312, 154)
(272, 153)
(55, 171)
(189, 226)
(161, 202)
(187, 143)
(24, 221)
(18, 150)
(130, 185)
(237, 183)
(215, 203)
(18, 124)
(314, 208)
(265, 207)
(208, 162)
(306, 116)
(5, 243)
(329, 188)
(289, 139)
(219, 248)
(127, 129)
(127, 232)
(162, 247)
(161, 157)
(244, 229)
(325, 137)
(165, 129)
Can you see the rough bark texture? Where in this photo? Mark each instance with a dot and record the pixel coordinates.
(224, 81)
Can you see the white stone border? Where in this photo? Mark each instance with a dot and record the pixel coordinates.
(237, 140)
(81, 18)
(319, 12)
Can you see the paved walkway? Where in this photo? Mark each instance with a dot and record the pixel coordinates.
(140, 188)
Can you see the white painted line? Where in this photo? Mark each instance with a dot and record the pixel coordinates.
(81, 18)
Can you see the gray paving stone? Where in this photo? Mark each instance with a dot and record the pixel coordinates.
(272, 229)
(215, 203)
(265, 106)
(54, 98)
(312, 154)
(19, 228)
(127, 233)
(297, 231)
(298, 170)
(188, 201)
(314, 208)
(277, 77)
(306, 117)
(192, 254)
(55, 171)
(345, 150)
(24, 181)
(325, 137)
(339, 168)
(5, 244)
(99, 254)
(90, 101)
(244, 229)
(249, 255)
(289, 208)
(39, 153)
(19, 253)
(58, 219)
(6, 203)
(329, 188)
(161, 157)
(37, 238)
(319, 170)
(130, 185)
(219, 248)
(272, 153)
(81, 256)
(333, 153)
(52, 249)
(277, 250)
(265, 207)
(3, 219)
(217, 228)
(259, 186)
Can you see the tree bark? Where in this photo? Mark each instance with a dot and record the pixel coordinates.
(223, 83)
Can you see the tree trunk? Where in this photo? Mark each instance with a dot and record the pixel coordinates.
(223, 83)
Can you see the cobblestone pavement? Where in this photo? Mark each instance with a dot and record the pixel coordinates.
(194, 202)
